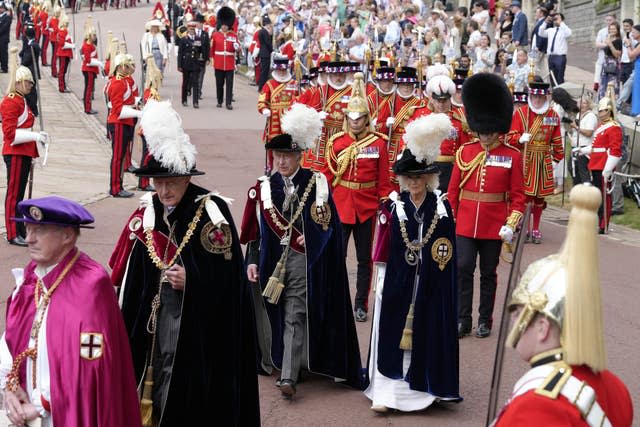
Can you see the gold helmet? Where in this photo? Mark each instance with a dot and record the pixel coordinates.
(153, 78)
(608, 102)
(565, 287)
(17, 73)
(109, 43)
(89, 29)
(358, 105)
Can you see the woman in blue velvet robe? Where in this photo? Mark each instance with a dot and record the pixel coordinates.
(413, 358)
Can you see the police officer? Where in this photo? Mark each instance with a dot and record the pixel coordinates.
(193, 51)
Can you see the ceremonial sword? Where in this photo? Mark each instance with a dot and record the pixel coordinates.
(40, 120)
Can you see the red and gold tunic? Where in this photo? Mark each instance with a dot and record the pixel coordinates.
(485, 190)
(63, 37)
(544, 147)
(89, 52)
(357, 170)
(332, 102)
(120, 93)
(377, 102)
(223, 50)
(16, 114)
(607, 141)
(402, 110)
(276, 97)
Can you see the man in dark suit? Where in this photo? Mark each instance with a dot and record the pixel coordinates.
(206, 46)
(29, 57)
(5, 27)
(539, 44)
(191, 56)
(265, 41)
(519, 30)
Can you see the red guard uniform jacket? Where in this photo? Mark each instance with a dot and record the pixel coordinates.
(531, 409)
(89, 52)
(63, 37)
(377, 102)
(16, 115)
(607, 141)
(544, 147)
(277, 97)
(120, 93)
(333, 102)
(457, 138)
(485, 189)
(53, 29)
(365, 181)
(402, 110)
(223, 50)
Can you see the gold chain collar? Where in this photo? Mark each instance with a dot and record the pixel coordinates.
(157, 261)
(415, 247)
(294, 218)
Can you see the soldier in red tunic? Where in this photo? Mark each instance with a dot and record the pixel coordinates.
(64, 53)
(224, 44)
(357, 169)
(90, 64)
(558, 330)
(44, 31)
(53, 38)
(536, 131)
(486, 195)
(19, 144)
(605, 152)
(330, 99)
(121, 93)
(395, 114)
(381, 92)
(440, 90)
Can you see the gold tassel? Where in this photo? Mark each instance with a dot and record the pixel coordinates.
(407, 332)
(275, 296)
(146, 403)
(273, 281)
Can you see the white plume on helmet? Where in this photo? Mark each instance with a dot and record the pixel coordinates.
(424, 135)
(303, 124)
(437, 70)
(166, 139)
(441, 85)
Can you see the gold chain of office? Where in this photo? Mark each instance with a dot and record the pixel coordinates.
(415, 247)
(294, 218)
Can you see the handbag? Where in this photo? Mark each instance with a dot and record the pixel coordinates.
(6, 422)
(610, 68)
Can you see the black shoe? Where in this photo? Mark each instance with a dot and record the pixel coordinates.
(463, 329)
(601, 231)
(483, 330)
(185, 104)
(18, 241)
(195, 105)
(201, 97)
(361, 315)
(278, 382)
(123, 194)
(287, 388)
(147, 188)
(229, 107)
(219, 105)
(91, 112)
(617, 212)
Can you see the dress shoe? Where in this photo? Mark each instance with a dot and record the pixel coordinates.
(381, 409)
(185, 104)
(617, 212)
(361, 315)
(287, 388)
(18, 241)
(124, 194)
(91, 112)
(601, 230)
(219, 105)
(229, 107)
(196, 105)
(483, 330)
(536, 237)
(278, 382)
(463, 329)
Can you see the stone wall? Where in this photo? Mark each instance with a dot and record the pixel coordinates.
(586, 17)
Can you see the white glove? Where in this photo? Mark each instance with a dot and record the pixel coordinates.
(609, 166)
(506, 233)
(586, 150)
(42, 137)
(68, 45)
(575, 150)
(266, 112)
(323, 115)
(236, 46)
(96, 63)
(526, 137)
(390, 121)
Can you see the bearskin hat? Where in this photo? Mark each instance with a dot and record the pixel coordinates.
(488, 103)
(226, 16)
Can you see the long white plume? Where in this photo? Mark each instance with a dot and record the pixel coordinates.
(303, 124)
(166, 139)
(423, 136)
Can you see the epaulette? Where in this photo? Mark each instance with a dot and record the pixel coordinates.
(553, 383)
(335, 136)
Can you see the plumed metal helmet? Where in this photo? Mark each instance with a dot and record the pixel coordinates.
(488, 103)
(565, 288)
(16, 73)
(440, 87)
(225, 16)
(358, 105)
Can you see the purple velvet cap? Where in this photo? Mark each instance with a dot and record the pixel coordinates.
(54, 210)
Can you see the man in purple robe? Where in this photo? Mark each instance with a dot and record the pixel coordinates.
(64, 356)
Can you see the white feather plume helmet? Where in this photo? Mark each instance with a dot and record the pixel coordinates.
(167, 142)
(437, 70)
(424, 135)
(303, 124)
(441, 85)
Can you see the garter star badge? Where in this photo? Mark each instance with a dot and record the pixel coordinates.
(36, 213)
(321, 215)
(442, 252)
(217, 239)
(91, 345)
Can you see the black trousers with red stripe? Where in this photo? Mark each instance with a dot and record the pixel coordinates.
(89, 81)
(121, 136)
(54, 60)
(44, 50)
(62, 72)
(17, 177)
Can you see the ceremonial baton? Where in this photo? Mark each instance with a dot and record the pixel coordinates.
(514, 276)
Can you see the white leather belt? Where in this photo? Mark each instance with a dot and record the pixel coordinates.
(224, 53)
(599, 150)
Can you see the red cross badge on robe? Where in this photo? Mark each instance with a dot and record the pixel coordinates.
(91, 344)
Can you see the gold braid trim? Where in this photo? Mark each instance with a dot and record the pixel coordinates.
(157, 261)
(514, 219)
(467, 168)
(347, 157)
(298, 211)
